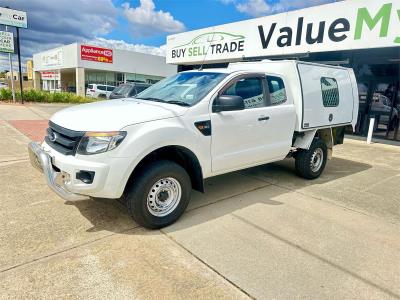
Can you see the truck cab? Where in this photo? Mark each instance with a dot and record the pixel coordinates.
(152, 150)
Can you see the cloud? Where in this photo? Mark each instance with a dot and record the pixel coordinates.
(257, 8)
(119, 44)
(147, 21)
(55, 23)
(254, 7)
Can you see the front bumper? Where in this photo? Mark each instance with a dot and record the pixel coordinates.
(42, 161)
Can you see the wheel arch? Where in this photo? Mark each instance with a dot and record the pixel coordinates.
(178, 154)
(304, 140)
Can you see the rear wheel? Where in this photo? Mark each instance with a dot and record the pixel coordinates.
(159, 194)
(311, 163)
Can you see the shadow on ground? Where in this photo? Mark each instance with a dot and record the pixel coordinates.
(111, 215)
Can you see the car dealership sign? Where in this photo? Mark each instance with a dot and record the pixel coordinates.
(6, 42)
(97, 54)
(344, 25)
(13, 17)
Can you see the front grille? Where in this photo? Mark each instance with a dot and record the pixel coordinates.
(63, 140)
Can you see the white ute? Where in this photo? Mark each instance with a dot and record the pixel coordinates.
(154, 149)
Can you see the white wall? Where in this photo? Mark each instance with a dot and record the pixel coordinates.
(132, 62)
(69, 58)
(123, 62)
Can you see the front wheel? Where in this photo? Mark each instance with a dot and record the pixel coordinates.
(311, 163)
(159, 194)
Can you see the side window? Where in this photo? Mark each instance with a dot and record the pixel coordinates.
(330, 92)
(277, 90)
(101, 87)
(250, 89)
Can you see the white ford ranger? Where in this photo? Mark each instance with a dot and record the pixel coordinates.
(154, 149)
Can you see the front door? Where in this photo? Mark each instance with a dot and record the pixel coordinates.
(260, 133)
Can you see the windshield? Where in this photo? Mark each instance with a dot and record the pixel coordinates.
(185, 88)
(122, 89)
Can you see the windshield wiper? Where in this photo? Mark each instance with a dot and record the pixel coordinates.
(177, 102)
(181, 103)
(152, 99)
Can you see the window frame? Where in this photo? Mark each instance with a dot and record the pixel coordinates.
(322, 92)
(232, 81)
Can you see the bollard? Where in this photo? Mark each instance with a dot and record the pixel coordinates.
(370, 130)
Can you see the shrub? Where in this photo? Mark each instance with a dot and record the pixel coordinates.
(5, 94)
(44, 96)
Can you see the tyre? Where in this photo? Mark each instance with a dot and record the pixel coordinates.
(159, 194)
(311, 163)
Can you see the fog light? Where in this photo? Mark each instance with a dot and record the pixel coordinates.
(85, 176)
(65, 177)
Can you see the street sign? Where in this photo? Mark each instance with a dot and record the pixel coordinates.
(6, 42)
(15, 18)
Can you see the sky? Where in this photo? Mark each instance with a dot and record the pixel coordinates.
(138, 25)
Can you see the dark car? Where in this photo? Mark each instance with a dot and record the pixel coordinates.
(128, 90)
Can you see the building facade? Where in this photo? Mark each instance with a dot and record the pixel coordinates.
(363, 35)
(72, 67)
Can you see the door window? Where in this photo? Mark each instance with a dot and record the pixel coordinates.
(277, 90)
(250, 89)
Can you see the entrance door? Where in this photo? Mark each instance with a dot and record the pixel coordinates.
(385, 108)
(260, 133)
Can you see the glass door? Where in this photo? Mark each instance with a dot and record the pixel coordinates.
(384, 107)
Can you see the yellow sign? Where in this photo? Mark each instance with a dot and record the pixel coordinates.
(29, 69)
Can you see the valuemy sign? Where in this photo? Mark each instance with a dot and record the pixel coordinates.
(97, 54)
(13, 17)
(6, 42)
(344, 25)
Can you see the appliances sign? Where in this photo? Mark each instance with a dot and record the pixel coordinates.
(97, 54)
(343, 25)
(6, 42)
(14, 18)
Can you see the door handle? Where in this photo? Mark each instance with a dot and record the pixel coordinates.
(260, 119)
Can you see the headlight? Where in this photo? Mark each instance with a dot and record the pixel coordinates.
(99, 142)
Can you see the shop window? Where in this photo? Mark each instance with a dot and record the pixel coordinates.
(330, 92)
(277, 90)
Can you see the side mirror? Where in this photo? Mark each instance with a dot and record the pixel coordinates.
(228, 103)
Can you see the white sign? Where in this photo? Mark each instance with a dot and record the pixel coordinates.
(14, 18)
(6, 42)
(53, 58)
(50, 75)
(343, 25)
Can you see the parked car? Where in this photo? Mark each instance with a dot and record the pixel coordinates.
(99, 90)
(130, 89)
(3, 85)
(382, 107)
(153, 150)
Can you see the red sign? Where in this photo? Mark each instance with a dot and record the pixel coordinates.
(98, 54)
(50, 75)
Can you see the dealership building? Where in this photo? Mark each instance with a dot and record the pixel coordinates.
(360, 34)
(73, 67)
